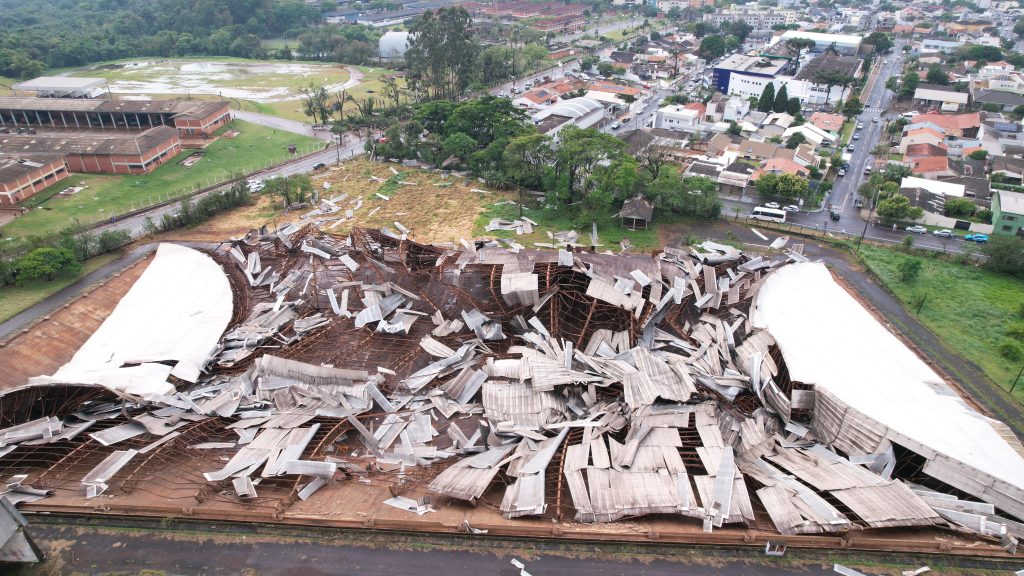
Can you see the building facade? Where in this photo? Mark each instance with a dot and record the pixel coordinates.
(24, 175)
(1008, 213)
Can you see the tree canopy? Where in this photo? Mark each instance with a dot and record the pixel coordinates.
(40, 34)
(442, 54)
(767, 100)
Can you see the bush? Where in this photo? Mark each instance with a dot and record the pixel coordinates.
(978, 155)
(1011, 351)
(909, 268)
(959, 207)
(908, 243)
(1005, 254)
(984, 215)
(111, 240)
(45, 263)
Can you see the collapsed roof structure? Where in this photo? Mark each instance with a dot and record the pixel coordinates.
(545, 383)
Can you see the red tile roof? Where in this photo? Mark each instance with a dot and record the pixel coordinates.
(930, 164)
(950, 121)
(922, 150)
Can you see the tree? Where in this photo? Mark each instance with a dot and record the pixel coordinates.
(649, 156)
(579, 152)
(45, 263)
(1018, 29)
(460, 145)
(712, 47)
(832, 78)
(781, 99)
(797, 45)
(314, 103)
(782, 186)
(607, 69)
(936, 75)
(793, 106)
(897, 207)
(978, 155)
(527, 159)
(674, 14)
(909, 269)
(740, 29)
(909, 84)
(795, 139)
(880, 40)
(442, 54)
(958, 207)
(852, 107)
(767, 100)
(1005, 254)
(734, 128)
(694, 196)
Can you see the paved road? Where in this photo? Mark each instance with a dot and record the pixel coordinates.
(214, 549)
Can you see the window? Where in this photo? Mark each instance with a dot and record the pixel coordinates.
(1007, 228)
(1009, 218)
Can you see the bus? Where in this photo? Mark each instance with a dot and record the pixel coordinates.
(770, 214)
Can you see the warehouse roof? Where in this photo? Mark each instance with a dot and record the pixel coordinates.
(189, 107)
(88, 142)
(60, 84)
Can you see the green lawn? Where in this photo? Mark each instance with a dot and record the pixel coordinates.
(970, 309)
(254, 147)
(14, 299)
(847, 133)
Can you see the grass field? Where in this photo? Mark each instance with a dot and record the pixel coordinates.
(970, 309)
(370, 85)
(14, 299)
(609, 232)
(846, 133)
(106, 195)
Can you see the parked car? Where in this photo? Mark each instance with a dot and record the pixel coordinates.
(791, 208)
(255, 185)
(842, 172)
(875, 120)
(772, 205)
(616, 125)
(850, 147)
(979, 238)
(319, 166)
(860, 125)
(917, 229)
(943, 233)
(833, 215)
(856, 136)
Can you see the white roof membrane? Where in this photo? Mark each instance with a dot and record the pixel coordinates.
(175, 312)
(829, 340)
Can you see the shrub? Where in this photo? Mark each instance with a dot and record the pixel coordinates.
(909, 269)
(46, 263)
(959, 207)
(908, 243)
(984, 215)
(1011, 351)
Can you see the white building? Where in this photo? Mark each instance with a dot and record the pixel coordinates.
(678, 118)
(812, 134)
(940, 45)
(844, 43)
(582, 112)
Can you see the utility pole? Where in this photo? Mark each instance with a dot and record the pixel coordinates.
(867, 222)
(1017, 379)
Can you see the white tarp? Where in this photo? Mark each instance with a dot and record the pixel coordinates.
(175, 312)
(829, 340)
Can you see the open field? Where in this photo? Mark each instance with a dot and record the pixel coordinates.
(15, 298)
(259, 80)
(369, 86)
(106, 195)
(432, 213)
(970, 309)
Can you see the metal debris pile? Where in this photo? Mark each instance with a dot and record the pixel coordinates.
(544, 383)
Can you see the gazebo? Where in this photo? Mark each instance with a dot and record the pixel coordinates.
(636, 212)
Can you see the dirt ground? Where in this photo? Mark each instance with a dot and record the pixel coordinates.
(433, 207)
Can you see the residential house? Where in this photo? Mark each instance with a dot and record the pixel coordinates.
(812, 134)
(920, 136)
(1009, 169)
(725, 108)
(1008, 213)
(932, 167)
(831, 123)
(734, 178)
(1005, 101)
(536, 99)
(941, 45)
(677, 117)
(780, 166)
(945, 98)
(954, 125)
